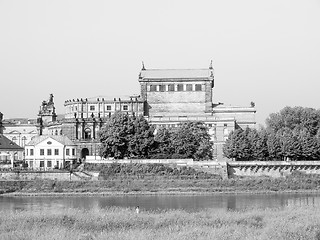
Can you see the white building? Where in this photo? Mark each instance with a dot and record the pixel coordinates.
(47, 152)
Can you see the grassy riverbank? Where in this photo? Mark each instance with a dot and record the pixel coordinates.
(164, 184)
(124, 223)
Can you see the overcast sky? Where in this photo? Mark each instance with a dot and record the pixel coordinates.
(266, 51)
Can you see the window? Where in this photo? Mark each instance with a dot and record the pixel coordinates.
(153, 88)
(162, 88)
(171, 87)
(24, 139)
(49, 152)
(189, 87)
(125, 107)
(198, 87)
(41, 152)
(61, 132)
(108, 107)
(87, 133)
(225, 130)
(56, 132)
(31, 152)
(91, 108)
(56, 152)
(73, 151)
(180, 87)
(67, 151)
(57, 164)
(49, 164)
(30, 164)
(14, 139)
(41, 163)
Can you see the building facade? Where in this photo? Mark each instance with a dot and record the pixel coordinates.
(173, 96)
(167, 98)
(47, 152)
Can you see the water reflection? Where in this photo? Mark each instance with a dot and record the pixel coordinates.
(160, 202)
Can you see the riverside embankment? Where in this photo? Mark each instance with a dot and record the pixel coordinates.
(164, 185)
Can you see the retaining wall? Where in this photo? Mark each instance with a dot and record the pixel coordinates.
(272, 168)
(59, 176)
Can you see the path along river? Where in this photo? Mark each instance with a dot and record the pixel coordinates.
(158, 202)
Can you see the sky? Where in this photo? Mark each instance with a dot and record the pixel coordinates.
(267, 52)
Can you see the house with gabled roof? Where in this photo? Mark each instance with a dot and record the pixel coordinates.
(9, 150)
(46, 152)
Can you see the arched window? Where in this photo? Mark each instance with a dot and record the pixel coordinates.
(24, 140)
(87, 133)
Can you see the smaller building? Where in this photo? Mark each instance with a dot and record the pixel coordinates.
(46, 152)
(8, 151)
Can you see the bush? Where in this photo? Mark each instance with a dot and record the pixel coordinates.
(137, 170)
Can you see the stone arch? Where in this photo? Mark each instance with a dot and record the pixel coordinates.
(87, 133)
(84, 153)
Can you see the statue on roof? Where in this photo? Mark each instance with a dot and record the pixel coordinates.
(211, 66)
(50, 98)
(143, 68)
(1, 116)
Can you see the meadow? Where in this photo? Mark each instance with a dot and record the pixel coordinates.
(125, 223)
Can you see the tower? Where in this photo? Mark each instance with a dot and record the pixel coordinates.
(47, 111)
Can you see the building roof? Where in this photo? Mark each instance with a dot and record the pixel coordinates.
(101, 98)
(7, 145)
(176, 74)
(61, 139)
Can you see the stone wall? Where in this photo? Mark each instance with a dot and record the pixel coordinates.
(271, 168)
(59, 176)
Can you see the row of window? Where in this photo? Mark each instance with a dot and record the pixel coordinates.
(107, 108)
(176, 88)
(49, 152)
(48, 164)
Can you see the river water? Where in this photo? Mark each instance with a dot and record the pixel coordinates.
(158, 202)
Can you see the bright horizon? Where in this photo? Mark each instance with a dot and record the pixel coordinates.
(267, 52)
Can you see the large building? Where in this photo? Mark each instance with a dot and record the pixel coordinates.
(167, 98)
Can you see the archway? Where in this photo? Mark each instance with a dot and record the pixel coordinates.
(84, 153)
(87, 133)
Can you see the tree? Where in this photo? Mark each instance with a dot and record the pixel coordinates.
(308, 144)
(235, 144)
(274, 147)
(163, 143)
(192, 140)
(126, 136)
(294, 117)
(188, 140)
(141, 142)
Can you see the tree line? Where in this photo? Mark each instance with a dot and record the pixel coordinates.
(125, 136)
(291, 134)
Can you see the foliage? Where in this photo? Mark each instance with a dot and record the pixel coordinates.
(188, 140)
(291, 134)
(141, 170)
(126, 136)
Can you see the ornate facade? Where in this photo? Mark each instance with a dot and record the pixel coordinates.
(167, 98)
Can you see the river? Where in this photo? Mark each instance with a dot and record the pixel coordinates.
(158, 202)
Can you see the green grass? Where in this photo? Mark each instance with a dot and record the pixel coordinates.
(124, 223)
(164, 184)
(153, 184)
